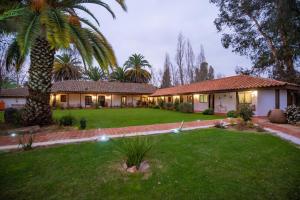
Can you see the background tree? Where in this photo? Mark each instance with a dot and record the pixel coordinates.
(66, 67)
(118, 74)
(211, 73)
(180, 57)
(267, 31)
(203, 71)
(95, 74)
(190, 62)
(166, 78)
(136, 69)
(43, 26)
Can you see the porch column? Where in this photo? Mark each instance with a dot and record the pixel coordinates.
(237, 100)
(193, 102)
(111, 100)
(277, 99)
(54, 100)
(68, 100)
(80, 100)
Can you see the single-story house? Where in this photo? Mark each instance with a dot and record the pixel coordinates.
(226, 94)
(85, 94)
(222, 94)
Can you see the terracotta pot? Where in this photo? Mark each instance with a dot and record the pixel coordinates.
(277, 116)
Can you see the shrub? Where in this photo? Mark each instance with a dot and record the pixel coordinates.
(67, 120)
(293, 114)
(176, 104)
(13, 116)
(169, 106)
(232, 114)
(208, 111)
(155, 106)
(135, 150)
(161, 104)
(26, 141)
(82, 123)
(186, 108)
(246, 112)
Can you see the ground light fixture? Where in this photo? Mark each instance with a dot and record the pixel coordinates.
(13, 134)
(103, 138)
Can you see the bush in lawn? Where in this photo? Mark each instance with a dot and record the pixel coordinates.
(67, 120)
(232, 114)
(185, 108)
(135, 150)
(220, 124)
(155, 106)
(208, 111)
(246, 112)
(13, 116)
(82, 123)
(293, 114)
(26, 141)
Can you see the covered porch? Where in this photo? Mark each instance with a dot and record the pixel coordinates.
(92, 100)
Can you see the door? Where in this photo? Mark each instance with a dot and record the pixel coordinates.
(101, 101)
(123, 101)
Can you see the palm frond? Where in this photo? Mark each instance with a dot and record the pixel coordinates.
(82, 8)
(12, 13)
(13, 56)
(29, 31)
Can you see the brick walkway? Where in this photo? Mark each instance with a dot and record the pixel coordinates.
(42, 139)
(284, 128)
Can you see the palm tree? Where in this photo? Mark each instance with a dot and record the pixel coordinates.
(118, 74)
(136, 71)
(95, 74)
(44, 26)
(66, 67)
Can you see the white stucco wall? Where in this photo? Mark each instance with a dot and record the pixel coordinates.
(13, 102)
(225, 102)
(199, 107)
(266, 101)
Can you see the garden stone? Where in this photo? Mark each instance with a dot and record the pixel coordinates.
(132, 169)
(144, 167)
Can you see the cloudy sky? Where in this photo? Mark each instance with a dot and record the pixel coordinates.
(151, 27)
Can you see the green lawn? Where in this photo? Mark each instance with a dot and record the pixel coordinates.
(107, 118)
(203, 164)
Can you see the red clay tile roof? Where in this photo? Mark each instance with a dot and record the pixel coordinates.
(238, 82)
(15, 92)
(87, 87)
(103, 87)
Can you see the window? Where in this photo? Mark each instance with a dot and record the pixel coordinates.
(88, 100)
(245, 97)
(203, 98)
(190, 99)
(63, 98)
(169, 99)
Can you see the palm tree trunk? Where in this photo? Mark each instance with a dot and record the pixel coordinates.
(37, 109)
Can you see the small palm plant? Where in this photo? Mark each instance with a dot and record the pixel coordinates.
(135, 150)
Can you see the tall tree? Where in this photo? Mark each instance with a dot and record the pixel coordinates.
(267, 31)
(66, 67)
(211, 73)
(137, 72)
(203, 72)
(190, 62)
(166, 78)
(201, 56)
(43, 26)
(180, 57)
